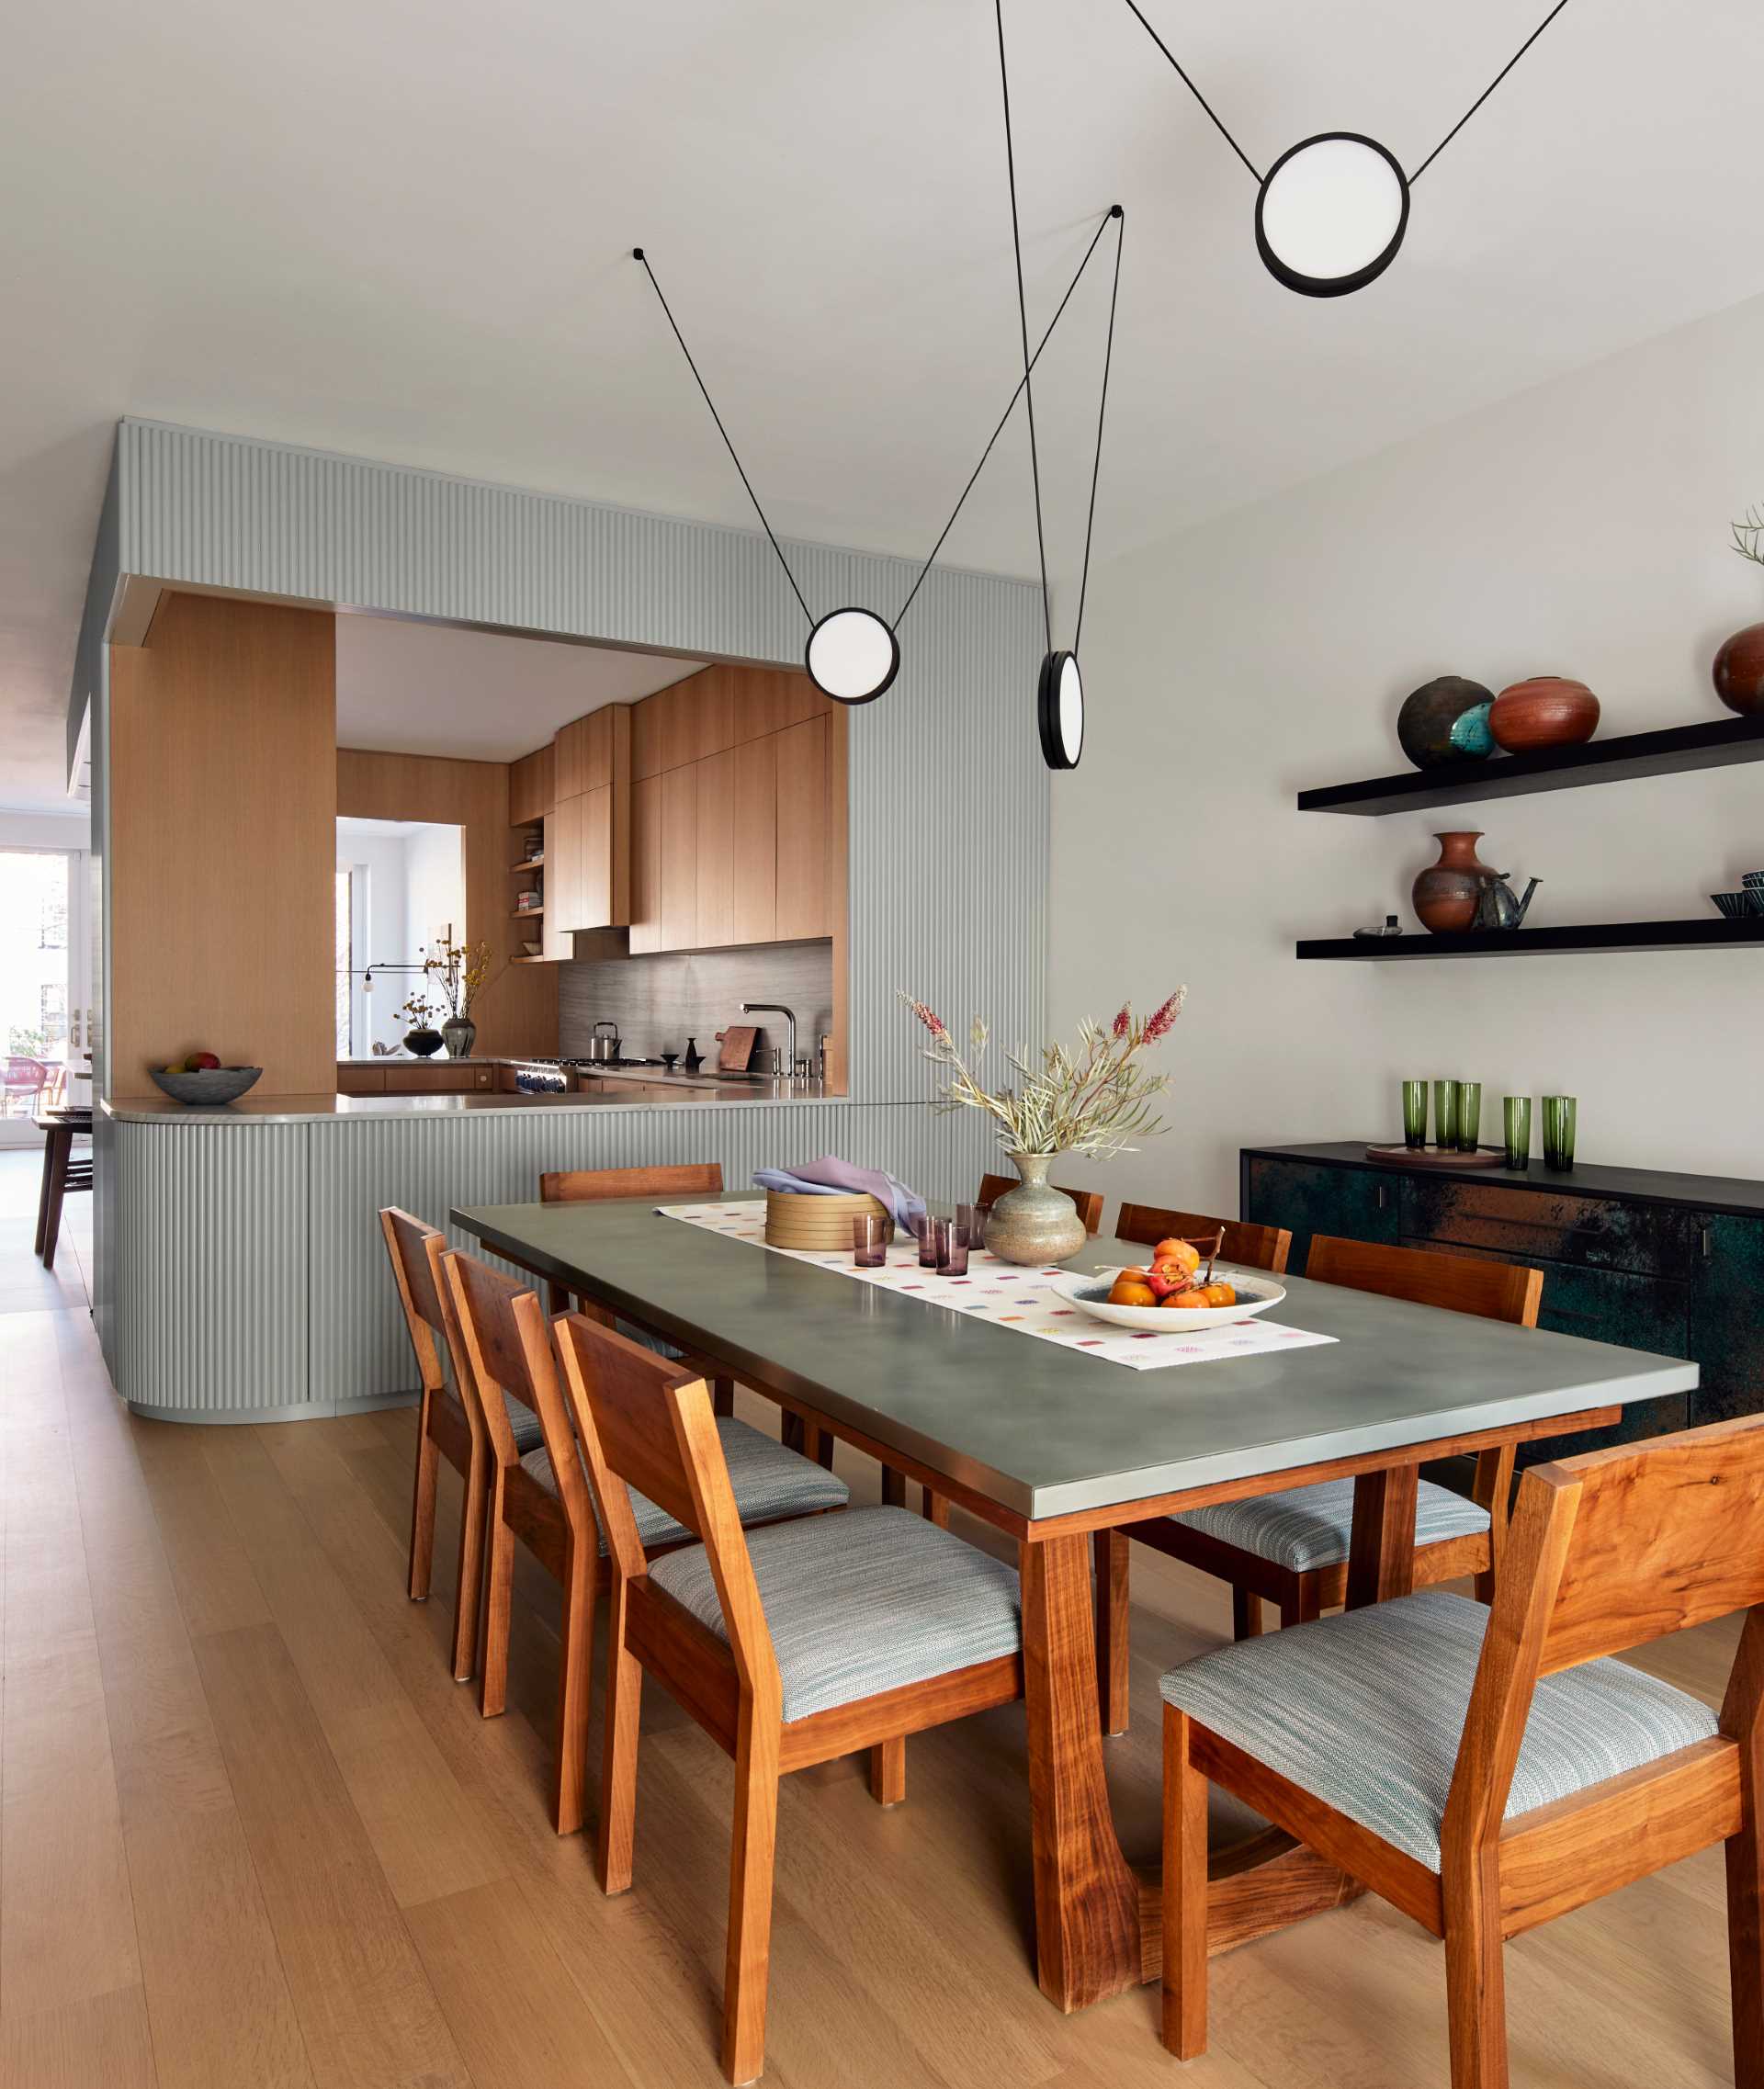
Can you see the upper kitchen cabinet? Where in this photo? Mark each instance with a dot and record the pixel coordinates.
(529, 788)
(587, 835)
(806, 900)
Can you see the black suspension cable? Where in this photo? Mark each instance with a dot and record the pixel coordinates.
(1193, 90)
(1010, 409)
(1102, 408)
(638, 254)
(1023, 322)
(1488, 90)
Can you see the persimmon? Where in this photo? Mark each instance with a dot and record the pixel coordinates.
(1123, 1292)
(1180, 1252)
(1190, 1300)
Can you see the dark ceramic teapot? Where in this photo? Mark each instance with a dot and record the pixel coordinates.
(1497, 906)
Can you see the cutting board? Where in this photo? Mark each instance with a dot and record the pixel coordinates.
(737, 1053)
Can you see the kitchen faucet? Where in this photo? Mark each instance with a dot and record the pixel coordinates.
(777, 1008)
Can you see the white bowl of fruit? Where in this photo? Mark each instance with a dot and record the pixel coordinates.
(1183, 1287)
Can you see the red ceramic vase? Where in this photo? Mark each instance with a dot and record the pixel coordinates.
(1550, 710)
(1446, 892)
(1739, 670)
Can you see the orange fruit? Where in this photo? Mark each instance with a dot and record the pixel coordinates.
(1180, 1252)
(1123, 1292)
(1221, 1294)
(1190, 1300)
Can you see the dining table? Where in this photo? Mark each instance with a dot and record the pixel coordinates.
(1050, 1444)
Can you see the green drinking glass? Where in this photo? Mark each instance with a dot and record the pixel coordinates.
(1414, 1114)
(1558, 1131)
(1517, 1111)
(1445, 1113)
(1469, 1114)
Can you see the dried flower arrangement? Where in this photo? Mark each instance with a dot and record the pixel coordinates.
(455, 971)
(1091, 1100)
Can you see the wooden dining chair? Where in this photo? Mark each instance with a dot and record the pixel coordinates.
(450, 1425)
(540, 1497)
(1485, 1771)
(789, 1646)
(1247, 1246)
(1291, 1548)
(1089, 1202)
(605, 1185)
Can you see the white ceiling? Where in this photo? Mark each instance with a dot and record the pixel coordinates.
(405, 232)
(430, 689)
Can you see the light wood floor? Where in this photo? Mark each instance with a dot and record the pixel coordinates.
(251, 1837)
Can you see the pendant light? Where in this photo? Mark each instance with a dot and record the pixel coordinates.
(852, 655)
(1331, 211)
(1060, 692)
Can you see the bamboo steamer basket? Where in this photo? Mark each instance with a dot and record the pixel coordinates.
(819, 1225)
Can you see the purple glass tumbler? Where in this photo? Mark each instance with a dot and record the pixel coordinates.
(952, 1248)
(869, 1243)
(924, 1229)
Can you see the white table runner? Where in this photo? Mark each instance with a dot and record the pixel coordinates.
(1010, 1297)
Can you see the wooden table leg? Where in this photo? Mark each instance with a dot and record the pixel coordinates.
(1381, 1558)
(1087, 1898)
(42, 1191)
(1098, 1928)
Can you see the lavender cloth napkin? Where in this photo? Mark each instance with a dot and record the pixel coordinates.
(830, 1177)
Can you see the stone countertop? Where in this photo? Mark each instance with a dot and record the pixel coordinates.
(659, 1077)
(254, 1109)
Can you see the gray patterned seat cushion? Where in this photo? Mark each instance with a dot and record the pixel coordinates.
(1306, 1528)
(522, 1420)
(862, 1603)
(1366, 1711)
(769, 1481)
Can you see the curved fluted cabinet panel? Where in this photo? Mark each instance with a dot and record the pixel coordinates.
(252, 1281)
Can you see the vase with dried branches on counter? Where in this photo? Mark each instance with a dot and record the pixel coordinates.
(455, 973)
(1094, 1100)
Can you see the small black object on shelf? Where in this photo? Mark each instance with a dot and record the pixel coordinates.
(695, 1059)
(1391, 927)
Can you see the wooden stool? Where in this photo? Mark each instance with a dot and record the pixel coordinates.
(62, 1172)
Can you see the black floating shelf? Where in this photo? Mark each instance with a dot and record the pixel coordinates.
(1716, 934)
(1714, 744)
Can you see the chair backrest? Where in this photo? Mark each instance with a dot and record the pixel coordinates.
(1249, 1247)
(505, 1344)
(415, 1250)
(26, 1076)
(1664, 1535)
(591, 1185)
(1606, 1551)
(646, 1422)
(1461, 1283)
(1090, 1204)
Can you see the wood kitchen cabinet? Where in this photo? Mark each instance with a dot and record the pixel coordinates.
(679, 854)
(800, 818)
(529, 788)
(646, 866)
(722, 824)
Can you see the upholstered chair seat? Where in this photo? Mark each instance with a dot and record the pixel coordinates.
(769, 1481)
(1304, 1529)
(1365, 1711)
(862, 1603)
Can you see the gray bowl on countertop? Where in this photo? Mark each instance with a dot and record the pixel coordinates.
(211, 1087)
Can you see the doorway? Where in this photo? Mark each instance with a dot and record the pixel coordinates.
(45, 985)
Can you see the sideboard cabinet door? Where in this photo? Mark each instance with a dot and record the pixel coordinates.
(1355, 1203)
(1727, 1318)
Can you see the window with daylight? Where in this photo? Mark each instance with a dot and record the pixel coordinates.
(345, 911)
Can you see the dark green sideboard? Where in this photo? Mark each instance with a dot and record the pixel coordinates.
(1671, 1263)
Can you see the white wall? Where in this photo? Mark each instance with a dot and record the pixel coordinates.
(434, 886)
(1578, 529)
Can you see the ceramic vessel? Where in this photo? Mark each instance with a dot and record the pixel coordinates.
(425, 1043)
(1739, 670)
(1035, 1222)
(1550, 710)
(1446, 893)
(1445, 722)
(461, 1034)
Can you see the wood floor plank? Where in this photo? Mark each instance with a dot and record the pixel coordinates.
(217, 1998)
(368, 2014)
(67, 1926)
(428, 1838)
(514, 2011)
(100, 2042)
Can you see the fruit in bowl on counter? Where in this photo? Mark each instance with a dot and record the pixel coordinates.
(1169, 1283)
(1199, 1295)
(1183, 1252)
(195, 1062)
(1132, 1287)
